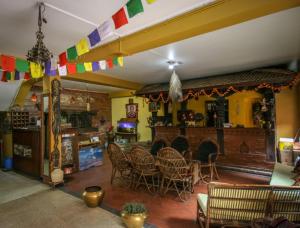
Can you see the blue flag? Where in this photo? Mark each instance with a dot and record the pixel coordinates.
(95, 66)
(50, 71)
(17, 75)
(94, 38)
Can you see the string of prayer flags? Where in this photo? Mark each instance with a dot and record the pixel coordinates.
(120, 18)
(151, 1)
(3, 78)
(105, 30)
(95, 66)
(109, 63)
(80, 68)
(63, 59)
(62, 70)
(26, 76)
(94, 38)
(17, 75)
(134, 7)
(82, 47)
(8, 76)
(72, 53)
(22, 65)
(36, 70)
(115, 61)
(88, 66)
(8, 63)
(102, 64)
(71, 68)
(50, 70)
(121, 61)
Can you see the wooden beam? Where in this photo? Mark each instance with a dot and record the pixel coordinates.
(103, 79)
(124, 93)
(220, 14)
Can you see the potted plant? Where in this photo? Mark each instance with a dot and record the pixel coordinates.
(134, 215)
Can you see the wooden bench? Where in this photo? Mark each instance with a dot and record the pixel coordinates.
(238, 205)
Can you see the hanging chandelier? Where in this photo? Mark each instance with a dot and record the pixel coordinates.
(175, 87)
(39, 53)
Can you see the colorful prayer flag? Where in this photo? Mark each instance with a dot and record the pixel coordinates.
(49, 69)
(121, 61)
(17, 75)
(3, 78)
(72, 53)
(22, 65)
(88, 66)
(151, 1)
(8, 63)
(82, 47)
(115, 61)
(80, 68)
(8, 76)
(94, 38)
(71, 68)
(62, 70)
(120, 18)
(134, 7)
(95, 66)
(26, 76)
(36, 70)
(63, 59)
(109, 63)
(105, 30)
(102, 64)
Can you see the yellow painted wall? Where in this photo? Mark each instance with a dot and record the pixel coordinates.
(119, 111)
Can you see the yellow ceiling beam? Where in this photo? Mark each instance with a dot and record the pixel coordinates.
(124, 93)
(220, 14)
(103, 79)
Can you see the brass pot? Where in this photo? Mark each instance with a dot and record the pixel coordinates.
(133, 220)
(93, 196)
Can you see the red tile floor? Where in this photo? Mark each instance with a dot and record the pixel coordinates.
(164, 212)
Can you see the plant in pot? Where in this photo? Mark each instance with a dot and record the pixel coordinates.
(134, 215)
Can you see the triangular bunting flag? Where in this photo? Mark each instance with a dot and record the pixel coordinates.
(3, 79)
(95, 66)
(8, 63)
(36, 70)
(121, 61)
(88, 66)
(62, 70)
(63, 59)
(109, 63)
(102, 64)
(105, 30)
(82, 47)
(17, 75)
(71, 68)
(120, 18)
(94, 38)
(150, 1)
(22, 65)
(72, 53)
(115, 61)
(134, 7)
(80, 68)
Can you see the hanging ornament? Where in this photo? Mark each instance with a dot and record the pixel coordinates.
(175, 89)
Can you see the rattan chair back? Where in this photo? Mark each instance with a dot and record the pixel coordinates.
(117, 157)
(181, 144)
(205, 148)
(157, 145)
(142, 160)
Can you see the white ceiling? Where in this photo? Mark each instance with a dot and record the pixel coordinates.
(265, 41)
(8, 91)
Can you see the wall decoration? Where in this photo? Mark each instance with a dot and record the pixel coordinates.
(154, 106)
(132, 110)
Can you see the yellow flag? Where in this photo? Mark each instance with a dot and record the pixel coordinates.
(82, 47)
(121, 61)
(36, 70)
(88, 66)
(151, 1)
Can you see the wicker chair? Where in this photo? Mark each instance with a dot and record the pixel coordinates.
(181, 144)
(145, 171)
(157, 145)
(119, 162)
(176, 173)
(206, 156)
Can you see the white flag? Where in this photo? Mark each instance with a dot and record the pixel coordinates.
(62, 70)
(102, 64)
(105, 30)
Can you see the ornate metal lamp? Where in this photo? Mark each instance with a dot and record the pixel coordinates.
(39, 53)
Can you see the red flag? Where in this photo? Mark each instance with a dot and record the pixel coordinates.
(63, 59)
(26, 76)
(71, 68)
(3, 79)
(8, 63)
(120, 18)
(110, 63)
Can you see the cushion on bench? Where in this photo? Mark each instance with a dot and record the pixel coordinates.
(202, 200)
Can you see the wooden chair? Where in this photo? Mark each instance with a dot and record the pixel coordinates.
(236, 205)
(120, 162)
(181, 144)
(144, 169)
(157, 145)
(176, 173)
(206, 156)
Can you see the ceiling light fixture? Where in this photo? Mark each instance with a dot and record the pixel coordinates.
(173, 63)
(39, 53)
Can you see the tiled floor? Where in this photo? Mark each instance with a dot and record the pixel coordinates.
(164, 212)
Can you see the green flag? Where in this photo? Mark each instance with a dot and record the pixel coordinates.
(22, 65)
(8, 76)
(72, 53)
(134, 7)
(80, 68)
(115, 61)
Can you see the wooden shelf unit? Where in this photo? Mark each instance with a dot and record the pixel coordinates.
(19, 119)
